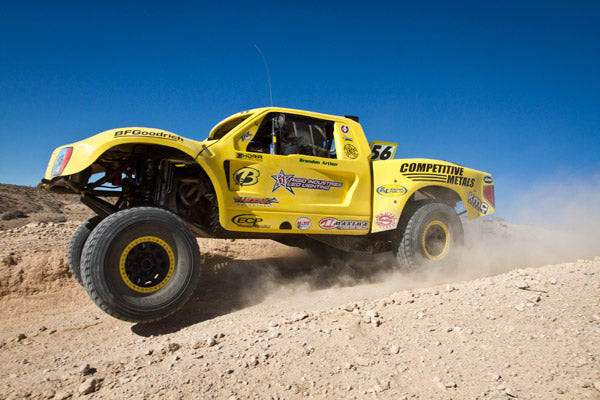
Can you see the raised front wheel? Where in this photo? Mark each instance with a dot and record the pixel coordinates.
(140, 264)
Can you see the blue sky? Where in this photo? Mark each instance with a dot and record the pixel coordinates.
(510, 88)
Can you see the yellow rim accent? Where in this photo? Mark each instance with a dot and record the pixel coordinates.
(442, 254)
(125, 253)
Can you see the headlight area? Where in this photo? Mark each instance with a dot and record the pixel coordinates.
(62, 159)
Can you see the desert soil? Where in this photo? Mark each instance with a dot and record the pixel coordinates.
(271, 322)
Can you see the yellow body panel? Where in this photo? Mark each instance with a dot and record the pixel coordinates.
(343, 192)
(299, 191)
(395, 181)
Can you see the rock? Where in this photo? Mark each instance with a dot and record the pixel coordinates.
(20, 337)
(395, 349)
(596, 384)
(211, 341)
(510, 392)
(61, 395)
(88, 386)
(520, 307)
(521, 285)
(173, 347)
(87, 370)
(299, 316)
(438, 383)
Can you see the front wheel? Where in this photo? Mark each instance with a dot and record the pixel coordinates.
(140, 264)
(431, 234)
(76, 246)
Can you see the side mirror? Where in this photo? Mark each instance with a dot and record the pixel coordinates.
(279, 121)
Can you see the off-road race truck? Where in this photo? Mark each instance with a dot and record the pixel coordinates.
(301, 178)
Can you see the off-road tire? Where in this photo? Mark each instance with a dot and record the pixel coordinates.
(76, 246)
(141, 264)
(429, 234)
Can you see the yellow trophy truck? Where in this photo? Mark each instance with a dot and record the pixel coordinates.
(301, 178)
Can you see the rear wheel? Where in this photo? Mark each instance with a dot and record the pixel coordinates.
(141, 264)
(431, 234)
(76, 246)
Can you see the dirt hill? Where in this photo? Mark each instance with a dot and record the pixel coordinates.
(22, 205)
(519, 318)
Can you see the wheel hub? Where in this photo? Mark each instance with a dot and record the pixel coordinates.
(436, 240)
(147, 264)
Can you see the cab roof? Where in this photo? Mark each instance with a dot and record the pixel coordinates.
(242, 115)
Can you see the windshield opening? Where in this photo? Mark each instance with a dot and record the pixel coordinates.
(227, 126)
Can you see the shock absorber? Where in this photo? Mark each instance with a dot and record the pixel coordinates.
(148, 181)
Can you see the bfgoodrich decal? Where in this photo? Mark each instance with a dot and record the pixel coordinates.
(391, 190)
(152, 134)
(333, 223)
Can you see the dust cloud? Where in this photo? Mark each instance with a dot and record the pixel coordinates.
(556, 223)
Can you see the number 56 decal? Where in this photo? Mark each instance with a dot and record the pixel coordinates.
(383, 150)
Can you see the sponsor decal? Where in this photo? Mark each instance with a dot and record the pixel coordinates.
(488, 180)
(350, 151)
(318, 162)
(386, 220)
(255, 201)
(246, 176)
(345, 128)
(303, 223)
(248, 221)
(249, 156)
(391, 190)
(333, 223)
(158, 135)
(290, 182)
(246, 136)
(477, 204)
(425, 172)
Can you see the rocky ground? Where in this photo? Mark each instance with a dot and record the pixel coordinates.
(519, 318)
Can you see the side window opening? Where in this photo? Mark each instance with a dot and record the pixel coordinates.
(298, 135)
